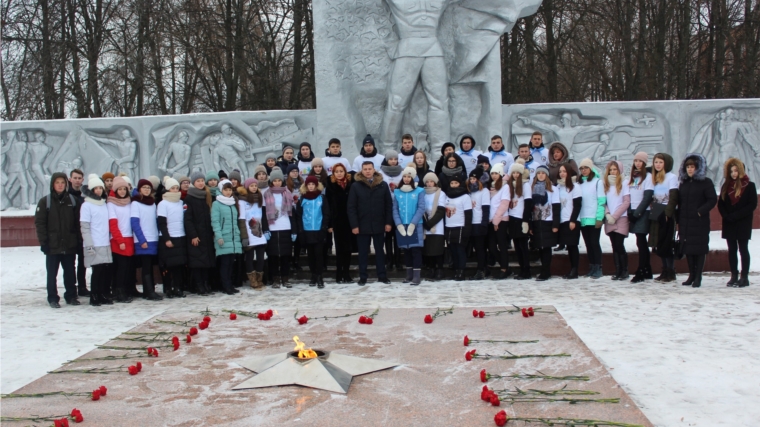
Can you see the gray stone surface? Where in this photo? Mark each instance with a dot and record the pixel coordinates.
(429, 68)
(605, 131)
(143, 146)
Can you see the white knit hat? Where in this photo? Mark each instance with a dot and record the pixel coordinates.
(497, 168)
(93, 181)
(517, 166)
(170, 182)
(410, 172)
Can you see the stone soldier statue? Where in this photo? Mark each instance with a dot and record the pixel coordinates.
(38, 151)
(127, 146)
(180, 150)
(16, 182)
(227, 148)
(567, 130)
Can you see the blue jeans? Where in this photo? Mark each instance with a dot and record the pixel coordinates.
(378, 240)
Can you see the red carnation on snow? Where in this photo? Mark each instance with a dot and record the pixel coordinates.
(525, 313)
(495, 400)
(77, 415)
(138, 365)
(63, 422)
(481, 314)
(203, 325)
(303, 320)
(428, 318)
(474, 313)
(368, 321)
(362, 319)
(206, 319)
(468, 356)
(466, 341)
(132, 370)
(530, 311)
(193, 331)
(501, 418)
(270, 313)
(103, 390)
(233, 316)
(96, 394)
(484, 376)
(176, 345)
(188, 339)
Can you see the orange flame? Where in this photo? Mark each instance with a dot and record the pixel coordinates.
(303, 353)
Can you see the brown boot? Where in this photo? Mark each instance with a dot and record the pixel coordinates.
(259, 277)
(252, 279)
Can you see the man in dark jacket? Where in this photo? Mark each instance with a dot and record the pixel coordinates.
(59, 235)
(76, 179)
(370, 213)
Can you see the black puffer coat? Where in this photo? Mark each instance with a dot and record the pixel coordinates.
(695, 200)
(337, 198)
(370, 206)
(444, 180)
(198, 224)
(737, 219)
(58, 224)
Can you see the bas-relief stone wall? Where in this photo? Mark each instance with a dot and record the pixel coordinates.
(605, 131)
(142, 146)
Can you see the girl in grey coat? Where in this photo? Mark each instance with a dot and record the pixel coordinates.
(93, 220)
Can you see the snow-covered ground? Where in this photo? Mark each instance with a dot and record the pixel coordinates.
(688, 357)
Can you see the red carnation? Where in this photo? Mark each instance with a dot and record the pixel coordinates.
(203, 325)
(428, 318)
(481, 314)
(501, 418)
(495, 400)
(175, 339)
(63, 422)
(206, 319)
(525, 313)
(466, 341)
(270, 313)
(260, 316)
(103, 390)
(302, 320)
(188, 339)
(176, 345)
(138, 365)
(469, 354)
(193, 331)
(132, 370)
(96, 394)
(150, 351)
(485, 394)
(267, 316)
(530, 311)
(155, 352)
(474, 313)
(484, 376)
(233, 316)
(368, 321)
(362, 319)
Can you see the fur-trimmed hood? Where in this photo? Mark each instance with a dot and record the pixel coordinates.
(733, 161)
(700, 174)
(376, 179)
(320, 187)
(565, 155)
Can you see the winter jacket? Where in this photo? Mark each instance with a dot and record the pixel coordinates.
(444, 180)
(224, 223)
(57, 226)
(370, 206)
(737, 219)
(337, 198)
(283, 164)
(198, 225)
(171, 216)
(93, 220)
(144, 227)
(554, 165)
(408, 208)
(696, 197)
(312, 218)
(120, 224)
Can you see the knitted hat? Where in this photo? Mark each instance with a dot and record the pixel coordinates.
(304, 144)
(257, 169)
(409, 171)
(483, 159)
(317, 162)
(182, 179)
(235, 174)
(368, 140)
(285, 147)
(170, 182)
(498, 168)
(118, 182)
(127, 180)
(277, 173)
(391, 154)
(311, 179)
(144, 182)
(270, 156)
(430, 176)
(223, 182)
(477, 173)
(458, 178)
(586, 163)
(248, 182)
(291, 167)
(517, 166)
(641, 155)
(211, 175)
(154, 181)
(94, 181)
(543, 169)
(222, 174)
(447, 144)
(196, 175)
(107, 175)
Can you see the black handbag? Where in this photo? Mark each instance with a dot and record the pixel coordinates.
(679, 246)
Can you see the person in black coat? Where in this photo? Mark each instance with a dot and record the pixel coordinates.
(370, 213)
(337, 191)
(448, 147)
(696, 198)
(286, 159)
(201, 255)
(453, 166)
(737, 204)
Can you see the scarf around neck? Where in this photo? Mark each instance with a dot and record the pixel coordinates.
(286, 207)
(145, 200)
(392, 171)
(539, 193)
(451, 172)
(118, 201)
(406, 188)
(732, 192)
(229, 201)
(453, 193)
(437, 192)
(172, 197)
(97, 202)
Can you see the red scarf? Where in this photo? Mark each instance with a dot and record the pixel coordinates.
(732, 189)
(342, 182)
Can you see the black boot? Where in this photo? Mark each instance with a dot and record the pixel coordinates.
(83, 292)
(573, 274)
(616, 259)
(743, 281)
(121, 296)
(276, 282)
(104, 299)
(94, 300)
(320, 282)
(459, 275)
(285, 281)
(313, 280)
(409, 275)
(438, 274)
(690, 281)
(699, 265)
(624, 275)
(639, 276)
(347, 277)
(479, 275)
(648, 273)
(503, 274)
(149, 289)
(734, 279)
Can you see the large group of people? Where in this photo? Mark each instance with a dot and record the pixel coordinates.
(214, 232)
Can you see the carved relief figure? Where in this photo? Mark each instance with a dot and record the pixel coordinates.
(567, 130)
(730, 133)
(180, 150)
(227, 149)
(127, 148)
(16, 182)
(40, 177)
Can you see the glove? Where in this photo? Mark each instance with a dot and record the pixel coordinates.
(293, 237)
(245, 242)
(267, 235)
(45, 249)
(598, 224)
(401, 230)
(220, 242)
(610, 219)
(525, 228)
(410, 230)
